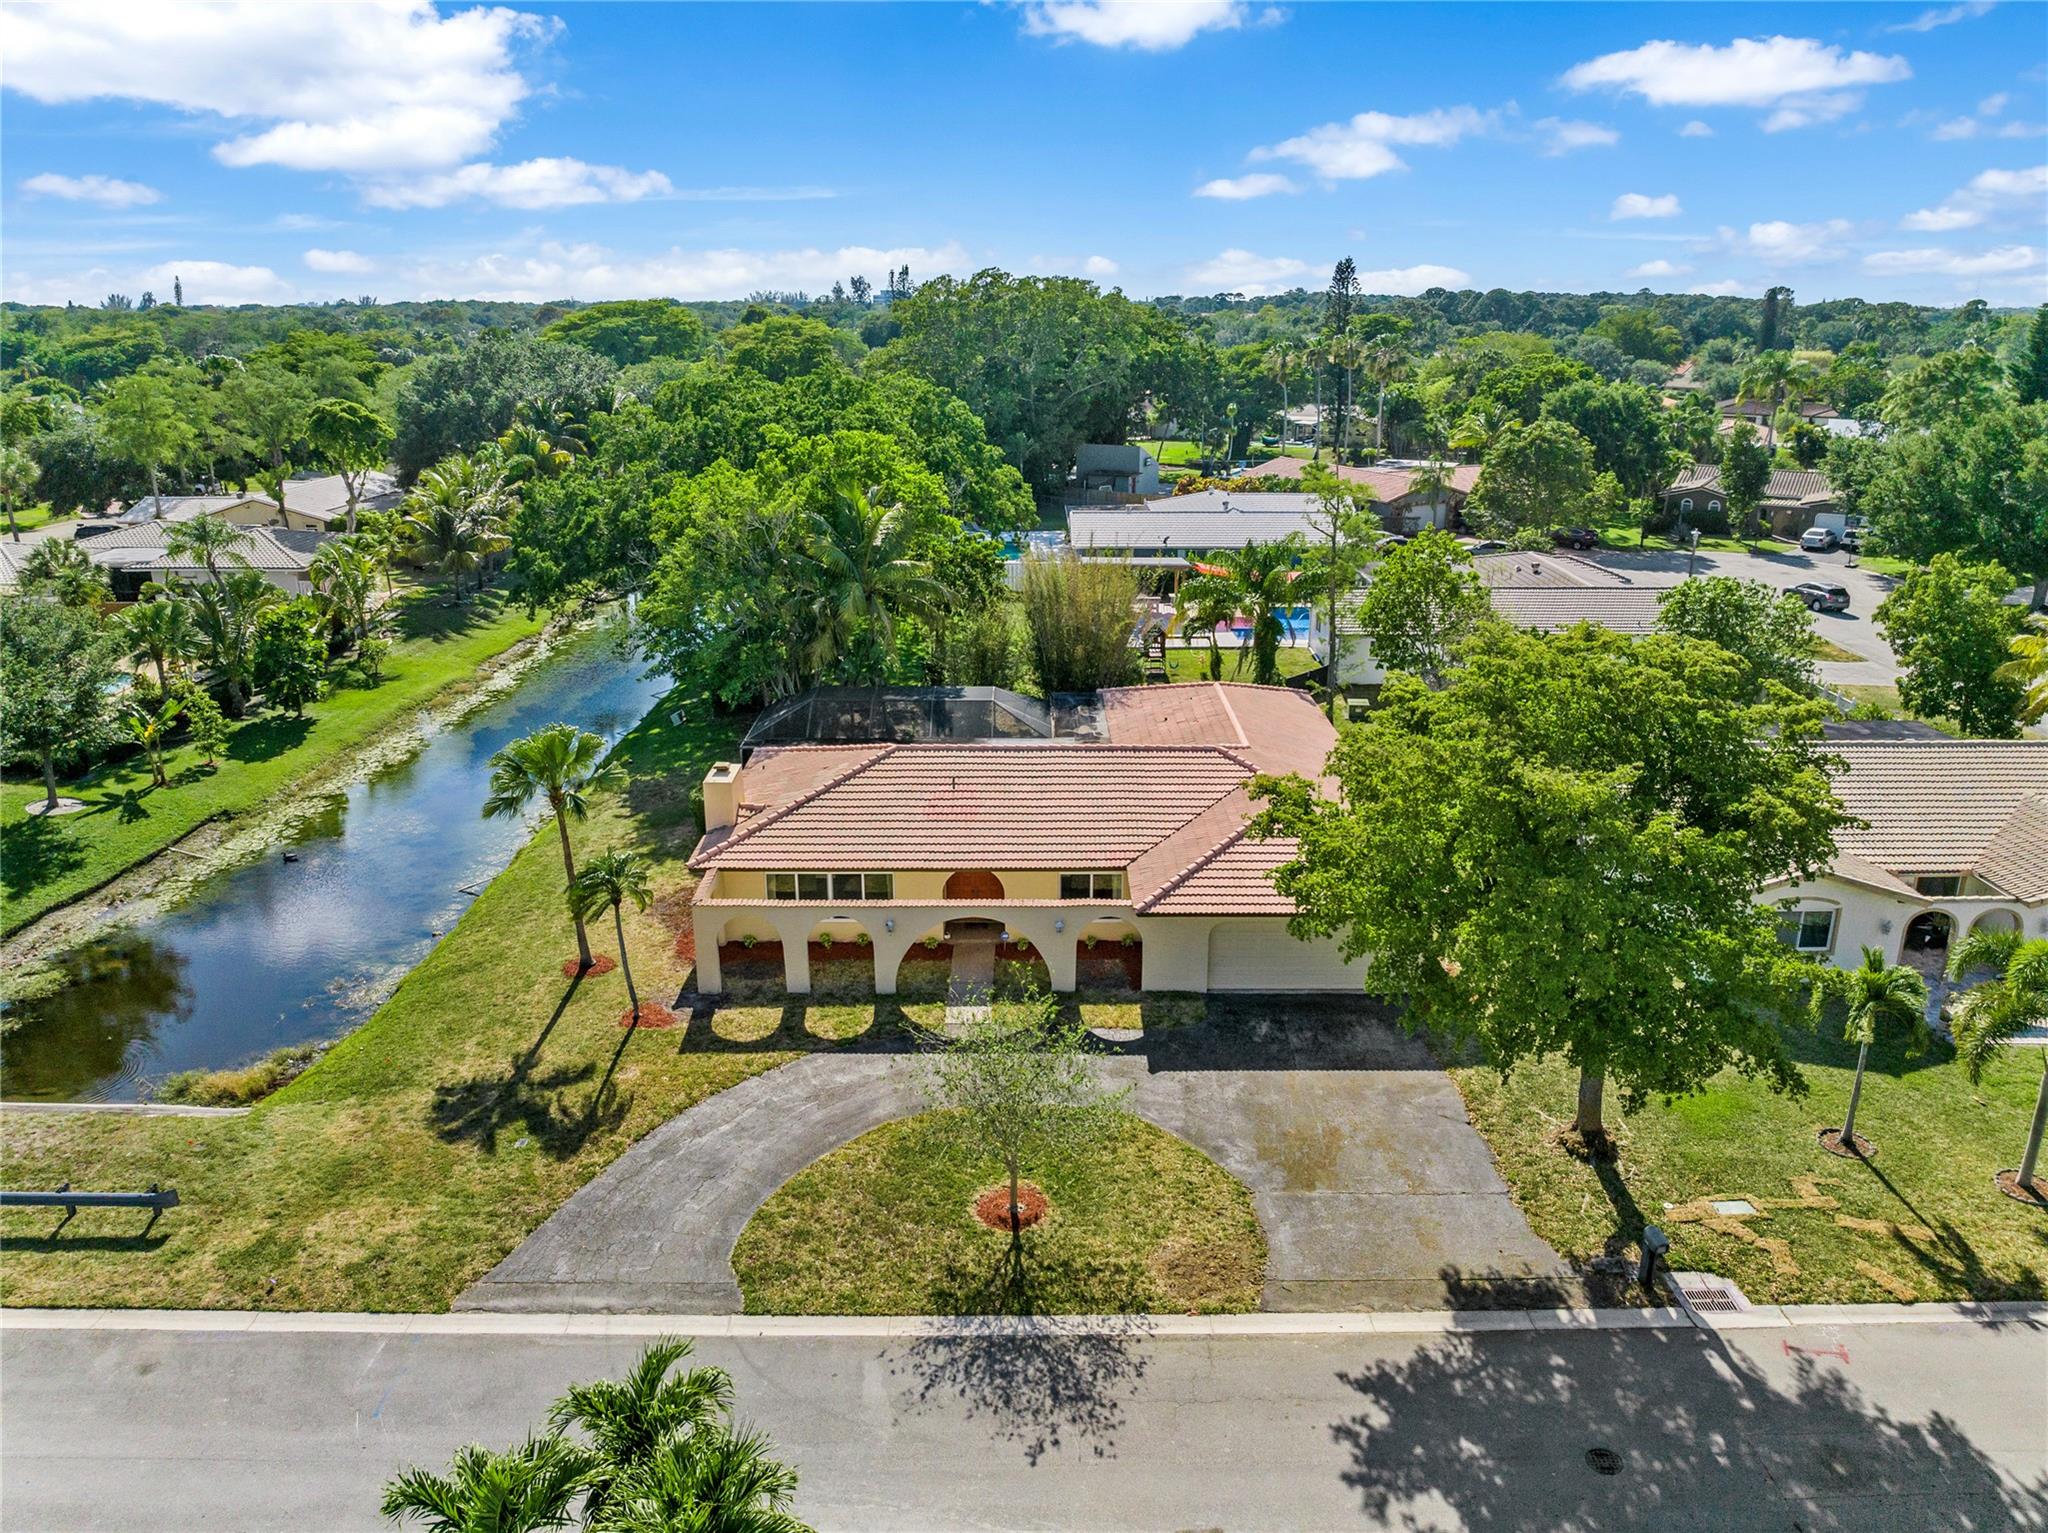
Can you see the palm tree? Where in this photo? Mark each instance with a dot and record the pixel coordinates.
(717, 1480)
(863, 573)
(1991, 1014)
(455, 516)
(344, 574)
(225, 611)
(161, 631)
(66, 572)
(151, 730)
(209, 541)
(2029, 667)
(1206, 603)
(1257, 580)
(532, 1487)
(612, 878)
(1877, 995)
(18, 474)
(1345, 350)
(1281, 361)
(1478, 426)
(1386, 361)
(1773, 375)
(628, 1419)
(562, 764)
(529, 454)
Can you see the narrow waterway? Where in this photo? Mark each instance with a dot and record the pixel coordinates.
(284, 951)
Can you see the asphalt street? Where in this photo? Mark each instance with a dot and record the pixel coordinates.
(1812, 1427)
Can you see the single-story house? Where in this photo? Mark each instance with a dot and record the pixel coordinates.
(1107, 471)
(1181, 526)
(1953, 839)
(1542, 592)
(1395, 499)
(134, 555)
(314, 503)
(1760, 412)
(1794, 499)
(1139, 834)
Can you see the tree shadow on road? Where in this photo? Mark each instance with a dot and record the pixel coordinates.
(1037, 1380)
(1503, 1431)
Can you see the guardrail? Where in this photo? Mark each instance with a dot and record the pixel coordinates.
(156, 1199)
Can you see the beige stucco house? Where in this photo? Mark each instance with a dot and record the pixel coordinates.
(1954, 838)
(1139, 833)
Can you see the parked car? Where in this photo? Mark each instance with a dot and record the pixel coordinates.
(1852, 539)
(1487, 546)
(1822, 597)
(1575, 537)
(1819, 540)
(1391, 540)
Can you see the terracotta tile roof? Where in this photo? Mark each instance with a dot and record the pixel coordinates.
(1793, 485)
(1277, 729)
(778, 774)
(1949, 806)
(1387, 484)
(1235, 880)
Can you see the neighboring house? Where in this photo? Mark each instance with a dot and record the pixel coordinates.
(1954, 839)
(134, 555)
(1400, 507)
(1759, 412)
(1794, 499)
(239, 509)
(1177, 527)
(1844, 426)
(1105, 472)
(1139, 834)
(1542, 592)
(318, 503)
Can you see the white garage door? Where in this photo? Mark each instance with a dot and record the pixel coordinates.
(1261, 955)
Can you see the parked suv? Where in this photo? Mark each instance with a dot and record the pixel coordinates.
(1852, 539)
(1819, 540)
(1820, 597)
(1576, 537)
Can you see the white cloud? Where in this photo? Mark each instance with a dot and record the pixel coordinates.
(2004, 260)
(1099, 266)
(1986, 192)
(1992, 105)
(1695, 129)
(336, 261)
(531, 184)
(1726, 288)
(1152, 26)
(1942, 16)
(1802, 80)
(1954, 128)
(1241, 188)
(1405, 281)
(555, 270)
(1240, 271)
(1658, 268)
(1362, 147)
(107, 191)
(1562, 136)
(1641, 205)
(1789, 243)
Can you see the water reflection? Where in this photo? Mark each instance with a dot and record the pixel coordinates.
(278, 952)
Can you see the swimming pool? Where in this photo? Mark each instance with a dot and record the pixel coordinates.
(1293, 619)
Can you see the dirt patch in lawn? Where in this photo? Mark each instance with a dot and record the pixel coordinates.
(992, 1208)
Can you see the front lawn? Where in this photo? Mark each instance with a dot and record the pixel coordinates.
(422, 1147)
(1920, 1221)
(1192, 663)
(46, 862)
(1143, 1223)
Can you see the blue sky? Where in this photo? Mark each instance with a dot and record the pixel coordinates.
(268, 152)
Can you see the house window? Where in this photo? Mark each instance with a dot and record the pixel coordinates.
(1808, 931)
(1939, 884)
(831, 886)
(1091, 886)
(1713, 505)
(1685, 504)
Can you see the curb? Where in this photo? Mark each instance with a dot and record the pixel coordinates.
(1134, 1327)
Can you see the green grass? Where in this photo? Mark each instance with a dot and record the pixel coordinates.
(1625, 531)
(1924, 1220)
(1141, 1222)
(422, 1147)
(45, 863)
(29, 517)
(1192, 663)
(1886, 697)
(1827, 649)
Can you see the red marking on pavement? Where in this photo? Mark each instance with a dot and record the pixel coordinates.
(1839, 1349)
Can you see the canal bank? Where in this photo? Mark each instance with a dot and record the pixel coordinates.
(291, 924)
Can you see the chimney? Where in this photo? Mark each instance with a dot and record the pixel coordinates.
(721, 795)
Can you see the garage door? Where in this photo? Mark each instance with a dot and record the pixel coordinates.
(1261, 955)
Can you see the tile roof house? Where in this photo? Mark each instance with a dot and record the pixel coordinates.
(1793, 498)
(313, 503)
(1138, 834)
(1393, 489)
(133, 555)
(1952, 837)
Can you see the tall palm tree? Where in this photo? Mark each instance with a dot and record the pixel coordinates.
(1205, 603)
(611, 878)
(532, 1487)
(1478, 426)
(66, 572)
(863, 572)
(529, 454)
(455, 516)
(627, 1419)
(1877, 995)
(2029, 667)
(1346, 350)
(18, 475)
(1257, 580)
(225, 611)
(1386, 361)
(1991, 1014)
(1773, 375)
(209, 541)
(563, 765)
(1281, 361)
(717, 1480)
(162, 632)
(344, 574)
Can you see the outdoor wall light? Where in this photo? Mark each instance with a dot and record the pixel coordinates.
(889, 923)
(1060, 925)
(1885, 927)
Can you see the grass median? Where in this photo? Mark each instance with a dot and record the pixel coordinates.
(45, 863)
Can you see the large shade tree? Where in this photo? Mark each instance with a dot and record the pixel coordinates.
(1423, 601)
(1558, 853)
(57, 672)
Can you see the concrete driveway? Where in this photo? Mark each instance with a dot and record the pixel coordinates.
(1373, 1188)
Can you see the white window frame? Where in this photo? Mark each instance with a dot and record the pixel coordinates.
(1796, 920)
(1685, 504)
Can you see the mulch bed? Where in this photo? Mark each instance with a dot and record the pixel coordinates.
(653, 1014)
(2009, 1184)
(940, 952)
(603, 963)
(1831, 1141)
(1110, 965)
(992, 1208)
(770, 953)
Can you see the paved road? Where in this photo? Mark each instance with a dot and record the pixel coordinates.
(1852, 1428)
(1373, 1188)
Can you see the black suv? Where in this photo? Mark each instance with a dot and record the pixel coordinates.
(1575, 537)
(1820, 597)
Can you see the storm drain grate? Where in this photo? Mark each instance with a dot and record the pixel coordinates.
(1604, 1460)
(1709, 1293)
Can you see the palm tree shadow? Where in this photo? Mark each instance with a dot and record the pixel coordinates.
(481, 1109)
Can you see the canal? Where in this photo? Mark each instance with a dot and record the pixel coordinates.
(279, 951)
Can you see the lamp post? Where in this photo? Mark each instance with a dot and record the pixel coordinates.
(1693, 555)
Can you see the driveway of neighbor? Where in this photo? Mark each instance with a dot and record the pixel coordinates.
(1373, 1188)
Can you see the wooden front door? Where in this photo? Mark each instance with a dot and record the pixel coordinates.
(974, 885)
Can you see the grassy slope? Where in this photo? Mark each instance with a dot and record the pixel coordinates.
(427, 1143)
(1938, 1139)
(1142, 1223)
(47, 863)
